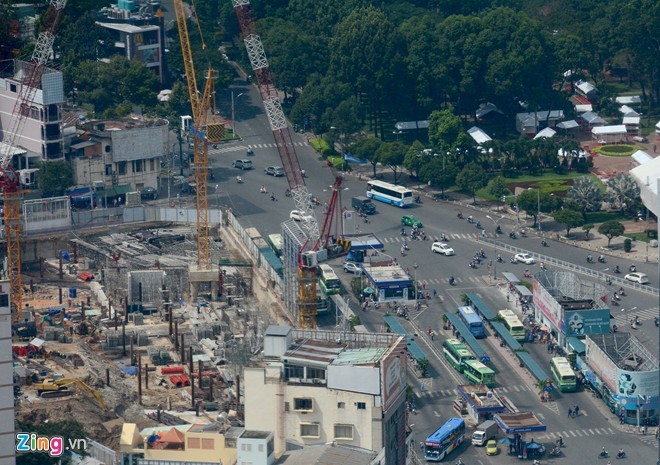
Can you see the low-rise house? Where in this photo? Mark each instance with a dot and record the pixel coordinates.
(531, 123)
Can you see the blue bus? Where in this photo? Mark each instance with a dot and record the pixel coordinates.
(444, 440)
(472, 320)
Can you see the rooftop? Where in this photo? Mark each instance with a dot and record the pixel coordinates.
(569, 289)
(252, 434)
(128, 28)
(121, 124)
(310, 350)
(327, 454)
(626, 351)
(366, 356)
(387, 273)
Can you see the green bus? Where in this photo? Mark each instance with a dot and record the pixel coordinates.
(456, 353)
(478, 373)
(563, 374)
(513, 324)
(328, 280)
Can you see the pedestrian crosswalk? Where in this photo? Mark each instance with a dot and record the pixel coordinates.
(650, 440)
(623, 318)
(243, 148)
(578, 433)
(440, 393)
(399, 238)
(460, 280)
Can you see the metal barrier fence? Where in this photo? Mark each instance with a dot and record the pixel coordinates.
(571, 266)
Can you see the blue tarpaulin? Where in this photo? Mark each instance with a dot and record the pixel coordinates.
(132, 371)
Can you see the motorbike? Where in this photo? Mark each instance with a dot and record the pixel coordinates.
(544, 243)
(239, 180)
(459, 215)
(632, 268)
(452, 281)
(482, 254)
(403, 231)
(470, 219)
(498, 230)
(614, 302)
(632, 324)
(512, 235)
(287, 193)
(622, 292)
(418, 199)
(478, 224)
(499, 258)
(621, 454)
(556, 452)
(590, 259)
(601, 259)
(472, 264)
(657, 321)
(637, 322)
(523, 233)
(603, 454)
(527, 274)
(513, 260)
(443, 237)
(617, 270)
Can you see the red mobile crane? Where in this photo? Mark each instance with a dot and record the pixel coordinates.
(282, 134)
(9, 179)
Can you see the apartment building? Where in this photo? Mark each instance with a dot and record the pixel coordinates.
(315, 387)
(119, 156)
(41, 135)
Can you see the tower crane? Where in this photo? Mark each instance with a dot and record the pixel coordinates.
(201, 105)
(9, 179)
(307, 262)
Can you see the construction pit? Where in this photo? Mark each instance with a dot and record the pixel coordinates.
(120, 328)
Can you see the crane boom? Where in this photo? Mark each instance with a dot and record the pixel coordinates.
(9, 181)
(200, 108)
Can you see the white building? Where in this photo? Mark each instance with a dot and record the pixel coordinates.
(120, 155)
(314, 387)
(255, 448)
(586, 89)
(7, 438)
(41, 133)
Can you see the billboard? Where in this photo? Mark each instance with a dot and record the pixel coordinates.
(393, 374)
(601, 364)
(580, 322)
(547, 305)
(637, 383)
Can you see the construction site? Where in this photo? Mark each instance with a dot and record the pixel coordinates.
(117, 332)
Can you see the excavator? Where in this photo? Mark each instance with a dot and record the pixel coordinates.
(50, 388)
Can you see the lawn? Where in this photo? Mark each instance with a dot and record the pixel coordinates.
(618, 150)
(640, 236)
(549, 182)
(601, 217)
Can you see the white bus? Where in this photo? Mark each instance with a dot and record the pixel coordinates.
(275, 241)
(390, 193)
(328, 280)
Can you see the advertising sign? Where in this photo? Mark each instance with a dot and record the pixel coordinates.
(601, 364)
(547, 305)
(581, 322)
(393, 374)
(637, 383)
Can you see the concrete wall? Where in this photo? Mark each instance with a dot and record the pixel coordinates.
(7, 438)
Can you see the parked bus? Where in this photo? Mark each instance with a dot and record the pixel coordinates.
(472, 320)
(447, 438)
(275, 242)
(478, 373)
(456, 353)
(390, 193)
(563, 374)
(328, 280)
(513, 324)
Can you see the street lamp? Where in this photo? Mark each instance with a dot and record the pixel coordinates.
(494, 262)
(233, 123)
(415, 265)
(538, 207)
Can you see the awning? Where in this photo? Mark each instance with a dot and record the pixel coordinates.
(523, 291)
(82, 145)
(116, 191)
(512, 278)
(577, 345)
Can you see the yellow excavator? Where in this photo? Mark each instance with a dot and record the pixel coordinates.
(49, 388)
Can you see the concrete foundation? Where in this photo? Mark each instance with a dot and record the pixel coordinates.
(203, 282)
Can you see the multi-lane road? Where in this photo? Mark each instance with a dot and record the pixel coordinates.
(584, 435)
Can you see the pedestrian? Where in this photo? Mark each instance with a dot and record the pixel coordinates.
(621, 419)
(654, 148)
(570, 412)
(434, 293)
(577, 410)
(656, 432)
(646, 430)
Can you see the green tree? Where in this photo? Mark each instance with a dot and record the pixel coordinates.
(531, 199)
(570, 219)
(611, 229)
(623, 192)
(585, 195)
(587, 228)
(471, 179)
(497, 188)
(444, 128)
(83, 40)
(416, 158)
(346, 117)
(368, 149)
(438, 174)
(68, 430)
(54, 178)
(392, 154)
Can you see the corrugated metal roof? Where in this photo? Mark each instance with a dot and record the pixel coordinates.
(368, 355)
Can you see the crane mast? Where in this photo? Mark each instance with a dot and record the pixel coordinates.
(289, 158)
(200, 107)
(9, 181)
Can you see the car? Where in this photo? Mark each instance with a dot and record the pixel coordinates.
(441, 247)
(352, 267)
(274, 171)
(491, 447)
(297, 215)
(412, 221)
(640, 278)
(242, 164)
(525, 258)
(149, 193)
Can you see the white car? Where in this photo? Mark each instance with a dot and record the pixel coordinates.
(441, 247)
(640, 278)
(352, 267)
(525, 258)
(297, 215)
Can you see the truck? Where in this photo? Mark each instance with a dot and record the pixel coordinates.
(363, 204)
(485, 431)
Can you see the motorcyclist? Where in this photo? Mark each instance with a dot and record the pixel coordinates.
(621, 453)
(451, 280)
(239, 179)
(601, 258)
(590, 258)
(616, 269)
(498, 230)
(633, 268)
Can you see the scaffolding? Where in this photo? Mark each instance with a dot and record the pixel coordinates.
(294, 240)
(626, 351)
(566, 287)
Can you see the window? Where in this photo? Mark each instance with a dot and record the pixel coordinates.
(138, 166)
(246, 447)
(194, 443)
(261, 447)
(341, 404)
(361, 405)
(12, 88)
(121, 168)
(108, 170)
(302, 404)
(152, 164)
(309, 430)
(208, 443)
(344, 432)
